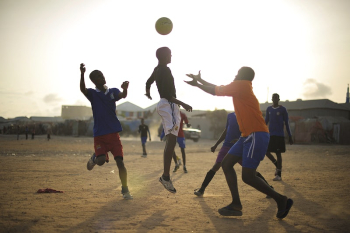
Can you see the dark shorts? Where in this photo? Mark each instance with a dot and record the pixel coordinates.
(222, 153)
(181, 142)
(109, 142)
(277, 144)
(143, 140)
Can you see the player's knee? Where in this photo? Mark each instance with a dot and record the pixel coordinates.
(247, 178)
(119, 161)
(225, 165)
(100, 160)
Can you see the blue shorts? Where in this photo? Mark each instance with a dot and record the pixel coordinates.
(181, 142)
(143, 140)
(252, 149)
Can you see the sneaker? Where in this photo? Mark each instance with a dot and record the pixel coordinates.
(91, 164)
(198, 192)
(185, 169)
(176, 168)
(127, 196)
(144, 156)
(277, 178)
(179, 162)
(168, 185)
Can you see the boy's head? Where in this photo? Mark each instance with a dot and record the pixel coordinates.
(97, 78)
(245, 73)
(163, 55)
(275, 98)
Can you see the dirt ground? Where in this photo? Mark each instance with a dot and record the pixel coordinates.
(316, 177)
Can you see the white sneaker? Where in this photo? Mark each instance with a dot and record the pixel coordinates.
(277, 178)
(179, 162)
(144, 156)
(91, 164)
(127, 196)
(168, 185)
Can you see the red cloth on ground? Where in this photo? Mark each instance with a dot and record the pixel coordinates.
(47, 190)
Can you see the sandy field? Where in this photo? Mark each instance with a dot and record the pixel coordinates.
(316, 177)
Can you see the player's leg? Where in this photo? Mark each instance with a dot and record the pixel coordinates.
(278, 175)
(123, 175)
(254, 150)
(99, 157)
(168, 154)
(170, 114)
(182, 145)
(272, 158)
(116, 149)
(249, 177)
(207, 179)
(211, 173)
(177, 166)
(231, 179)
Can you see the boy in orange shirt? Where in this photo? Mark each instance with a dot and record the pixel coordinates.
(251, 146)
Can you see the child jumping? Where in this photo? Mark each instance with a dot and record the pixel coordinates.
(106, 123)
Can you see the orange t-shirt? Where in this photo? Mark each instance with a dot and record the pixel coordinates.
(246, 106)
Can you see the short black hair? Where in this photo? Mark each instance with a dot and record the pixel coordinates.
(275, 94)
(93, 74)
(162, 53)
(246, 73)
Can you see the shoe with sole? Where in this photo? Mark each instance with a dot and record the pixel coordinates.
(168, 185)
(179, 162)
(176, 168)
(228, 211)
(91, 164)
(144, 156)
(127, 196)
(277, 178)
(198, 192)
(185, 169)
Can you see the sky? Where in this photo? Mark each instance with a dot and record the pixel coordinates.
(298, 48)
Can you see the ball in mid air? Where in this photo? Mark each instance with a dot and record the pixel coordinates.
(164, 26)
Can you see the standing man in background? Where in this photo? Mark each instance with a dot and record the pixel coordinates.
(276, 117)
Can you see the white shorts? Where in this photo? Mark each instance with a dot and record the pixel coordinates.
(170, 114)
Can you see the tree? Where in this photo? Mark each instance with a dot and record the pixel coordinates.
(217, 120)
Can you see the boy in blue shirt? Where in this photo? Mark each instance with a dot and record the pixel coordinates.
(106, 123)
(276, 117)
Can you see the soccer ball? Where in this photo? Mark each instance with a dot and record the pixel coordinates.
(164, 26)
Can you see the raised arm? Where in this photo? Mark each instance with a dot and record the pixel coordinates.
(82, 79)
(124, 86)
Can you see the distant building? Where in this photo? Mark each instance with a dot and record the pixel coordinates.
(76, 112)
(311, 108)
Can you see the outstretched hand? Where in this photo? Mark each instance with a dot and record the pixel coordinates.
(195, 77)
(82, 68)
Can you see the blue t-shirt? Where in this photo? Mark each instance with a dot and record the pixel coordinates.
(104, 110)
(232, 130)
(276, 118)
